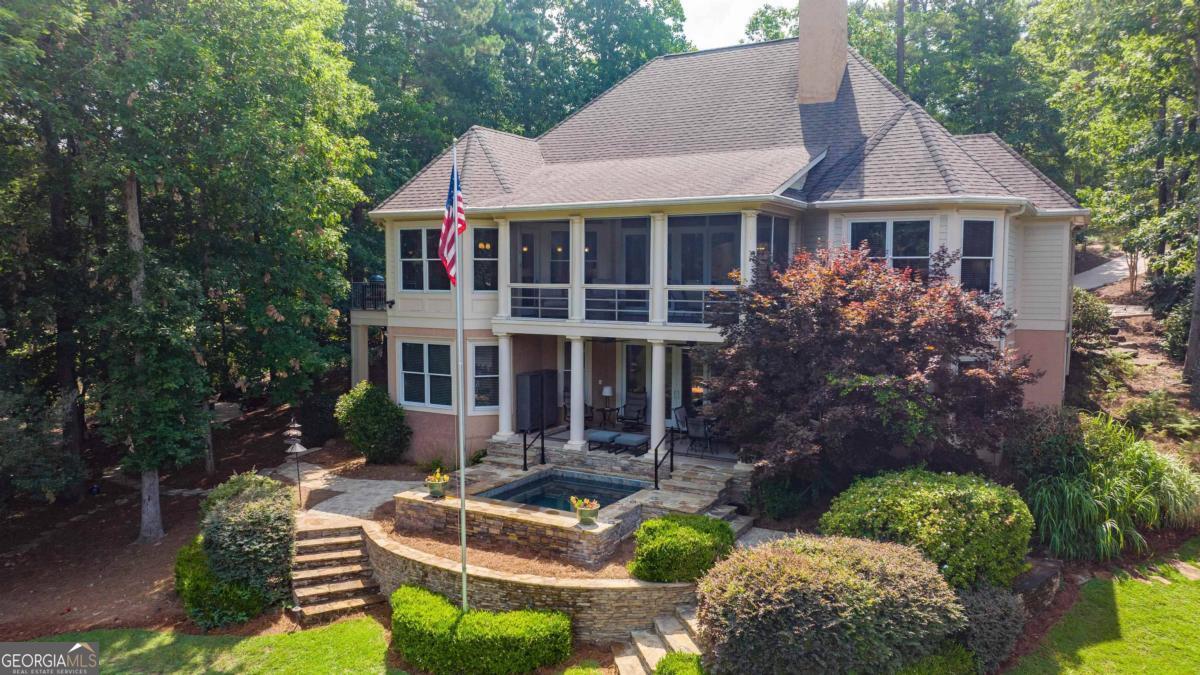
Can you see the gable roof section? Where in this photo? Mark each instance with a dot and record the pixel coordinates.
(724, 123)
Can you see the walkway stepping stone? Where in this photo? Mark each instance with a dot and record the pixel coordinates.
(1189, 572)
(1161, 580)
(649, 647)
(626, 659)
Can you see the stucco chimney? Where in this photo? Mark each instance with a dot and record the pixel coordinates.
(822, 57)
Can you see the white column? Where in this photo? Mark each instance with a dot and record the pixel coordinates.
(359, 354)
(576, 442)
(658, 267)
(502, 274)
(576, 266)
(658, 391)
(505, 430)
(749, 244)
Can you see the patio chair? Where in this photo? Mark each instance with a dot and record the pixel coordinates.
(680, 415)
(699, 433)
(588, 411)
(633, 414)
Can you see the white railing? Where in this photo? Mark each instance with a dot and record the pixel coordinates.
(617, 303)
(692, 305)
(540, 301)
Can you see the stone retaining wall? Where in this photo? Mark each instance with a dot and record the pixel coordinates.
(491, 521)
(601, 610)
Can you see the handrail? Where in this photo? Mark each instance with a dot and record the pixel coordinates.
(670, 454)
(541, 434)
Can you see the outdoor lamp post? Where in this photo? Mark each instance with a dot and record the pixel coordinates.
(291, 436)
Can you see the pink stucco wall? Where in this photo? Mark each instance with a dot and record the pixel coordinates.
(1047, 350)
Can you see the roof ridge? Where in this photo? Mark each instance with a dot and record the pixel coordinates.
(924, 120)
(986, 170)
(599, 96)
(878, 75)
(490, 160)
(1036, 171)
(740, 45)
(502, 132)
(868, 145)
(421, 172)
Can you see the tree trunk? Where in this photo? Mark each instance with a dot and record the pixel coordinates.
(900, 40)
(210, 458)
(1192, 360)
(152, 527)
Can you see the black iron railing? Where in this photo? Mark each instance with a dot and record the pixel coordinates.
(669, 439)
(368, 295)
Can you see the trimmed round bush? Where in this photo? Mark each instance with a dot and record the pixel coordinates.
(248, 485)
(679, 663)
(975, 530)
(208, 601)
(951, 659)
(373, 423)
(679, 547)
(249, 536)
(995, 619)
(823, 604)
(436, 636)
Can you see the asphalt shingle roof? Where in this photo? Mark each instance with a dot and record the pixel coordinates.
(725, 122)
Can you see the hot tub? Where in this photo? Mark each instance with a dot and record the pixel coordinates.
(553, 489)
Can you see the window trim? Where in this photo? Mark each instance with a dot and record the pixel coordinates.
(401, 372)
(888, 242)
(993, 284)
(472, 408)
(425, 260)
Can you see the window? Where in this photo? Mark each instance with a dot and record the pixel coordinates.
(487, 263)
(702, 250)
(903, 243)
(773, 239)
(425, 374)
(420, 267)
(978, 252)
(487, 376)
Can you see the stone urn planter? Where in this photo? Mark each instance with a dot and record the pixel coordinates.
(586, 509)
(436, 484)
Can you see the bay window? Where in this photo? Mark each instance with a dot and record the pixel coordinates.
(487, 254)
(421, 268)
(978, 254)
(904, 244)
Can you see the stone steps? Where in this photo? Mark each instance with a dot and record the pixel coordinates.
(331, 573)
(677, 633)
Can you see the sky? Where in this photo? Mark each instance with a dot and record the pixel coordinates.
(719, 23)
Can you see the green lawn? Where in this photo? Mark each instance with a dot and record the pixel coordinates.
(1125, 626)
(354, 646)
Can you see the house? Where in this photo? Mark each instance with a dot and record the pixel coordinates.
(594, 248)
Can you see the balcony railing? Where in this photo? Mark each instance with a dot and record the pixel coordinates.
(368, 295)
(617, 304)
(540, 302)
(695, 306)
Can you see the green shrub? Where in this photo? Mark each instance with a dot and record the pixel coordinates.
(434, 635)
(951, 659)
(1098, 503)
(780, 497)
(315, 415)
(823, 604)
(249, 536)
(995, 619)
(1090, 321)
(1175, 330)
(679, 547)
(373, 423)
(679, 663)
(1158, 411)
(975, 530)
(1040, 438)
(248, 484)
(208, 601)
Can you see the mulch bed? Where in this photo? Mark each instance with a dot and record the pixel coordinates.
(342, 460)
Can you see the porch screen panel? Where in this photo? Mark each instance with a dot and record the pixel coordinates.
(703, 250)
(540, 252)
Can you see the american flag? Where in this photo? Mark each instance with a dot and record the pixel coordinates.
(454, 222)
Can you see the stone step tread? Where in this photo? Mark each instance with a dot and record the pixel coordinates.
(650, 648)
(338, 606)
(317, 574)
(675, 635)
(329, 557)
(726, 512)
(346, 541)
(337, 587)
(625, 657)
(325, 532)
(740, 524)
(687, 615)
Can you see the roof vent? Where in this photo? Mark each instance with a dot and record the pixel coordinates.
(822, 57)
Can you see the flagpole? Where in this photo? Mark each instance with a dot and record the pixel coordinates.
(460, 347)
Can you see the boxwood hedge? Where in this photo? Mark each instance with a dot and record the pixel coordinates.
(434, 635)
(975, 530)
(209, 601)
(249, 535)
(679, 547)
